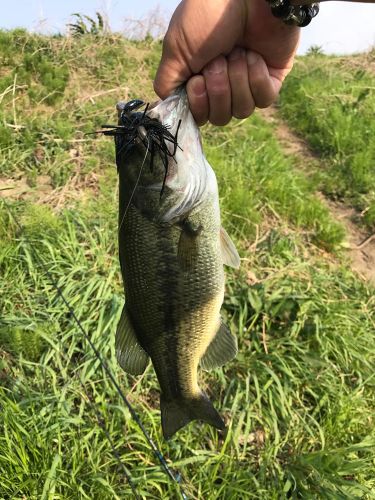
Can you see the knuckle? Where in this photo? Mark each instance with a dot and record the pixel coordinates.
(218, 88)
(237, 70)
(237, 75)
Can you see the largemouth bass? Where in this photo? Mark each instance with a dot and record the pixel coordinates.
(172, 250)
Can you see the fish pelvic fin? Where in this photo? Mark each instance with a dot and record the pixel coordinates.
(130, 355)
(176, 413)
(223, 348)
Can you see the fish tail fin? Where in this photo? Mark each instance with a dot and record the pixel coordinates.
(176, 413)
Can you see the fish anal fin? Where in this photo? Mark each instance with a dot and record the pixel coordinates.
(130, 355)
(222, 349)
(187, 251)
(176, 413)
(228, 250)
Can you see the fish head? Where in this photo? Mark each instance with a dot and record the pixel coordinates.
(160, 157)
(137, 140)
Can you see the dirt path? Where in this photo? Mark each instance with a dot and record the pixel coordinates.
(360, 245)
(77, 187)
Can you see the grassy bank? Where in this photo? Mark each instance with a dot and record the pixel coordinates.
(330, 101)
(299, 399)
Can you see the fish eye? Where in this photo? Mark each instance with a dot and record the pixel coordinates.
(132, 105)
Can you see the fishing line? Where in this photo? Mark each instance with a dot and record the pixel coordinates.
(155, 449)
(98, 414)
(135, 187)
(115, 453)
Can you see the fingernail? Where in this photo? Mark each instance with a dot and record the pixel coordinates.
(236, 54)
(252, 58)
(199, 87)
(216, 66)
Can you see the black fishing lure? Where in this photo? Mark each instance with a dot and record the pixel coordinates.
(135, 126)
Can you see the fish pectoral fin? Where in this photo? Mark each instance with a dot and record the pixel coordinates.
(222, 349)
(228, 250)
(187, 251)
(176, 413)
(130, 354)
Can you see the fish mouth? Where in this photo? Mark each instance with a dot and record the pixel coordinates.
(172, 110)
(156, 127)
(169, 112)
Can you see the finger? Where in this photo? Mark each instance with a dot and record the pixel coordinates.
(263, 87)
(218, 90)
(173, 69)
(242, 100)
(197, 33)
(171, 74)
(198, 99)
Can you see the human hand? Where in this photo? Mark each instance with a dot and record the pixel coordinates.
(233, 55)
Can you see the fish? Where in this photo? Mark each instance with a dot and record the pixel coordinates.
(172, 249)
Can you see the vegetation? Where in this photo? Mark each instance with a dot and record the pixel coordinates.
(85, 25)
(299, 399)
(331, 102)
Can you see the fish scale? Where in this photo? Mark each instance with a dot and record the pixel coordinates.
(160, 286)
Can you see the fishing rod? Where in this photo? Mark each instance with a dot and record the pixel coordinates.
(175, 478)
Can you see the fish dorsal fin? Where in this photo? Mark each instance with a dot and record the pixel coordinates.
(223, 348)
(228, 250)
(130, 355)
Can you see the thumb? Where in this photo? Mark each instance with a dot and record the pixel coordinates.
(172, 72)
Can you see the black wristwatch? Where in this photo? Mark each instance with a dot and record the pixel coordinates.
(298, 15)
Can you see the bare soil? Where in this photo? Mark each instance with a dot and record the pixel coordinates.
(18, 188)
(359, 245)
(79, 187)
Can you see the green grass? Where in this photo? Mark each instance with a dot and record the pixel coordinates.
(331, 102)
(258, 182)
(299, 399)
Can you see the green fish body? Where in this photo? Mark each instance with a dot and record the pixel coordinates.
(172, 249)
